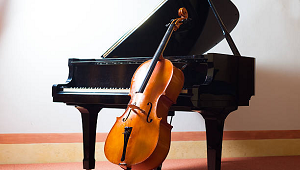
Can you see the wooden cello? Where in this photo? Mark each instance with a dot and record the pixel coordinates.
(141, 137)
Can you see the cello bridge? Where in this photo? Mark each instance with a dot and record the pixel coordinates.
(134, 108)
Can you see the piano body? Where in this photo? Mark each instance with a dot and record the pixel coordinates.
(215, 84)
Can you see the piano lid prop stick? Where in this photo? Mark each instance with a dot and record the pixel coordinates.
(229, 40)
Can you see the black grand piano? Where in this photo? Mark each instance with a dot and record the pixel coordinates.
(215, 84)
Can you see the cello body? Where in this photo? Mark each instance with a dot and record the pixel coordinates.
(141, 137)
(149, 140)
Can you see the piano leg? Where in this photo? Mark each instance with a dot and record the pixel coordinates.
(89, 115)
(214, 123)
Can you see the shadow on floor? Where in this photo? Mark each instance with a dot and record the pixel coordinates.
(259, 163)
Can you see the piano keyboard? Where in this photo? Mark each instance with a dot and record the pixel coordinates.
(96, 90)
(101, 90)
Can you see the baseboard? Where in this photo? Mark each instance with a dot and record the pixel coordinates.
(54, 148)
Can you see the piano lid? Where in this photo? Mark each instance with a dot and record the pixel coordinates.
(197, 36)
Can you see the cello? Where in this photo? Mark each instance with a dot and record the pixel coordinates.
(141, 137)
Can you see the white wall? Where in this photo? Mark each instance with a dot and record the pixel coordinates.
(38, 37)
(269, 31)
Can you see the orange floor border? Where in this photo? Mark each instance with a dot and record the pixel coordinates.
(30, 138)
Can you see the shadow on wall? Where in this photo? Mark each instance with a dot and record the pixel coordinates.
(275, 105)
(3, 7)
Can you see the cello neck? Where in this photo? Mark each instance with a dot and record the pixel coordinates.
(173, 26)
(156, 56)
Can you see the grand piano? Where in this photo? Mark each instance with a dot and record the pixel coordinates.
(215, 84)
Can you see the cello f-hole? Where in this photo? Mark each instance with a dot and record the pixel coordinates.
(149, 121)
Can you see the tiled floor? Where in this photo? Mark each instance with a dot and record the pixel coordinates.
(259, 163)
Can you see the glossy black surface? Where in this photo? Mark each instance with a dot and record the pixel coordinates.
(197, 36)
(230, 81)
